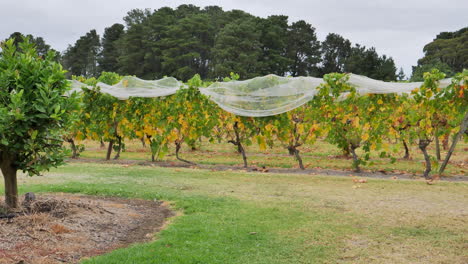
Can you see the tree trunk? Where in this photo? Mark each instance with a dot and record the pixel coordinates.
(9, 175)
(178, 147)
(143, 142)
(445, 141)
(109, 149)
(423, 143)
(102, 144)
(407, 155)
(463, 128)
(239, 148)
(437, 146)
(352, 149)
(244, 157)
(295, 151)
(73, 148)
(238, 143)
(346, 152)
(119, 149)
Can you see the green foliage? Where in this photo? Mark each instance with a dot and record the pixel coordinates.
(448, 53)
(33, 109)
(39, 44)
(353, 121)
(303, 49)
(190, 115)
(335, 51)
(108, 58)
(103, 114)
(81, 58)
(238, 49)
(186, 50)
(274, 41)
(367, 62)
(189, 40)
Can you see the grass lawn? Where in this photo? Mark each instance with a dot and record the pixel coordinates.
(238, 217)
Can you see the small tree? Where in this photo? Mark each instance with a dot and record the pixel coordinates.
(33, 112)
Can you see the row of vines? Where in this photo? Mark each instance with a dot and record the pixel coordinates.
(338, 114)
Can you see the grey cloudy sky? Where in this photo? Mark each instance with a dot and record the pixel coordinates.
(398, 28)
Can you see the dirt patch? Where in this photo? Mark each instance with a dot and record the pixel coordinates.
(64, 228)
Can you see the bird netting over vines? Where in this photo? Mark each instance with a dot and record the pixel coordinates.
(131, 86)
(261, 96)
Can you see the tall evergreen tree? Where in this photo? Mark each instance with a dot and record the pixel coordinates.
(401, 75)
(108, 59)
(303, 49)
(335, 52)
(448, 52)
(187, 47)
(274, 44)
(238, 49)
(135, 55)
(40, 45)
(81, 58)
(367, 62)
(386, 70)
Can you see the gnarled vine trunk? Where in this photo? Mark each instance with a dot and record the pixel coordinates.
(407, 155)
(109, 149)
(9, 175)
(119, 148)
(437, 146)
(463, 130)
(238, 143)
(423, 143)
(73, 148)
(178, 147)
(295, 151)
(352, 149)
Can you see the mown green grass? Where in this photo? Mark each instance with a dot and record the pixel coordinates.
(238, 217)
(321, 154)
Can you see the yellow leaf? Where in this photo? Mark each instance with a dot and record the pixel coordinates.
(261, 143)
(365, 137)
(300, 129)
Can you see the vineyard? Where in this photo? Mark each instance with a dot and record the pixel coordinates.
(379, 124)
(269, 169)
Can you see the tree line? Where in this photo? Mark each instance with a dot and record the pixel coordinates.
(212, 42)
(209, 41)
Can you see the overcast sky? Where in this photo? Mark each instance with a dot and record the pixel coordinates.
(398, 28)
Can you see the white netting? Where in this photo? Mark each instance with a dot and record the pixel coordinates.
(261, 96)
(76, 86)
(131, 86)
(365, 85)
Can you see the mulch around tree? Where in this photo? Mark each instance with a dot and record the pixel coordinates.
(66, 228)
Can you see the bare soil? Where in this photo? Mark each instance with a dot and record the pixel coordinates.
(64, 228)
